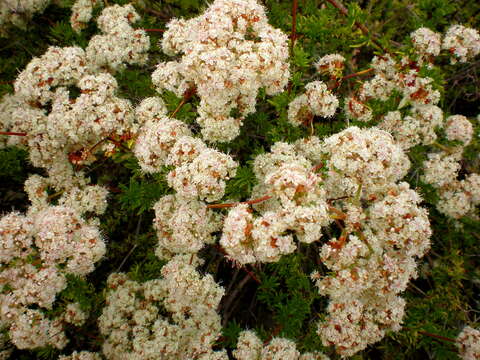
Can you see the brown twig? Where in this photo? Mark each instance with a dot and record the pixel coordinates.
(436, 336)
(359, 73)
(229, 205)
(293, 34)
(9, 133)
(154, 30)
(337, 4)
(188, 94)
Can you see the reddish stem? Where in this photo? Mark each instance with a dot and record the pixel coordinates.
(188, 94)
(436, 336)
(154, 30)
(293, 34)
(249, 202)
(9, 133)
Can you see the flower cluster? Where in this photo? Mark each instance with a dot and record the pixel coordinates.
(316, 101)
(227, 54)
(59, 126)
(462, 42)
(414, 129)
(135, 325)
(298, 206)
(331, 64)
(468, 343)
(250, 347)
(18, 12)
(200, 171)
(120, 43)
(383, 231)
(82, 13)
(457, 197)
(426, 42)
(183, 226)
(37, 251)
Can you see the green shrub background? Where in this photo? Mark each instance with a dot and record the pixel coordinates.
(274, 299)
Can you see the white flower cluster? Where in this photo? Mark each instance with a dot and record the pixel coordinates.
(227, 54)
(62, 127)
(462, 42)
(356, 109)
(365, 160)
(82, 13)
(468, 343)
(426, 42)
(403, 78)
(414, 129)
(458, 127)
(135, 325)
(316, 101)
(200, 171)
(37, 250)
(120, 43)
(331, 64)
(183, 226)
(457, 197)
(299, 207)
(384, 231)
(82, 355)
(18, 12)
(250, 347)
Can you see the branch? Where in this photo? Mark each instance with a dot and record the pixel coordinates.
(9, 133)
(187, 96)
(293, 34)
(249, 202)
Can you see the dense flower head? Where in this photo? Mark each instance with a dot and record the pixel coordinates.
(468, 343)
(250, 347)
(135, 326)
(155, 141)
(227, 54)
(184, 226)
(357, 110)
(462, 42)
(426, 41)
(120, 43)
(82, 13)
(60, 242)
(458, 127)
(331, 64)
(316, 101)
(366, 158)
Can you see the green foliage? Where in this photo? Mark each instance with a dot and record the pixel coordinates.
(140, 194)
(79, 290)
